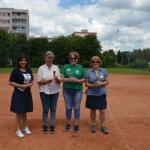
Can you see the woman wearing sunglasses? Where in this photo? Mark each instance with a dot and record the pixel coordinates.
(96, 81)
(73, 76)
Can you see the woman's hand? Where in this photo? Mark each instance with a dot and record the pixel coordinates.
(29, 84)
(43, 82)
(72, 79)
(56, 79)
(22, 86)
(98, 83)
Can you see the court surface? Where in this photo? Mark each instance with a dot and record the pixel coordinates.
(128, 120)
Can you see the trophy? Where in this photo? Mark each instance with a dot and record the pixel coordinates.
(54, 73)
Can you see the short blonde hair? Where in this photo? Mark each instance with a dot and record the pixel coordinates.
(49, 53)
(75, 54)
(96, 58)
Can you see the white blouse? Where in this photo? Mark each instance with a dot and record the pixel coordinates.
(44, 73)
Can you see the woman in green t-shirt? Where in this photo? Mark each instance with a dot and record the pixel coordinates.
(73, 75)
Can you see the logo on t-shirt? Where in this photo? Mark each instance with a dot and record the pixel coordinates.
(27, 77)
(77, 72)
(68, 70)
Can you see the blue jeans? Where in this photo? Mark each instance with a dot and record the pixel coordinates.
(72, 100)
(49, 102)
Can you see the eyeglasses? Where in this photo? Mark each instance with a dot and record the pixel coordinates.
(95, 62)
(73, 58)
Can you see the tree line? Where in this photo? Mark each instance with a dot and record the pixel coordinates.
(12, 45)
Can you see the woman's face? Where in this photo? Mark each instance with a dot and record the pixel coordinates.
(23, 63)
(73, 60)
(49, 60)
(95, 64)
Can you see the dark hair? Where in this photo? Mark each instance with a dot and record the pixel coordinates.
(19, 59)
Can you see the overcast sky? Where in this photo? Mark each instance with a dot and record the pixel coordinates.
(120, 24)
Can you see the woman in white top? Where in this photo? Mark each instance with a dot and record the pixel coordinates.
(48, 78)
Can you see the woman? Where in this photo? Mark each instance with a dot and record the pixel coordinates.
(21, 79)
(73, 76)
(48, 78)
(96, 81)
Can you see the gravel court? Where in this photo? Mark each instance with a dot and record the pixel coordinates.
(128, 119)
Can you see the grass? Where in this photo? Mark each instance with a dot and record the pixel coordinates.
(5, 70)
(121, 70)
(114, 70)
(8, 70)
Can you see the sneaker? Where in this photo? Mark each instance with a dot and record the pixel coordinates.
(67, 127)
(76, 128)
(52, 129)
(19, 134)
(27, 131)
(104, 130)
(93, 128)
(45, 130)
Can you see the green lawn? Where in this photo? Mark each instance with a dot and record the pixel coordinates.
(8, 70)
(5, 70)
(127, 71)
(114, 70)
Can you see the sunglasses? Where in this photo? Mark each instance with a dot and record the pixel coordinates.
(95, 62)
(73, 58)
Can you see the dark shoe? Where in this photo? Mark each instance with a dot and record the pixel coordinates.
(67, 127)
(76, 128)
(104, 130)
(45, 130)
(52, 129)
(93, 128)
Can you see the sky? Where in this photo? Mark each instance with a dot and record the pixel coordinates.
(120, 24)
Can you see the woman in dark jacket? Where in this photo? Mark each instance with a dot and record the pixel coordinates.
(21, 79)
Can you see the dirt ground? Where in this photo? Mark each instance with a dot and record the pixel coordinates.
(128, 120)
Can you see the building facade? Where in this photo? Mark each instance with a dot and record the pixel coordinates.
(84, 33)
(14, 20)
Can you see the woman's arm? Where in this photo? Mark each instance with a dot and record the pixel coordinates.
(40, 80)
(63, 79)
(75, 80)
(22, 86)
(43, 82)
(97, 83)
(100, 83)
(87, 84)
(57, 80)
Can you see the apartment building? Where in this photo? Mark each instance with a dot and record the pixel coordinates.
(14, 20)
(84, 33)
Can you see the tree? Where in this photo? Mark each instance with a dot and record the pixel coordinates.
(37, 48)
(108, 58)
(87, 47)
(19, 45)
(4, 47)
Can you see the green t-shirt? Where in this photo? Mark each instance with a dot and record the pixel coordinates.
(76, 71)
